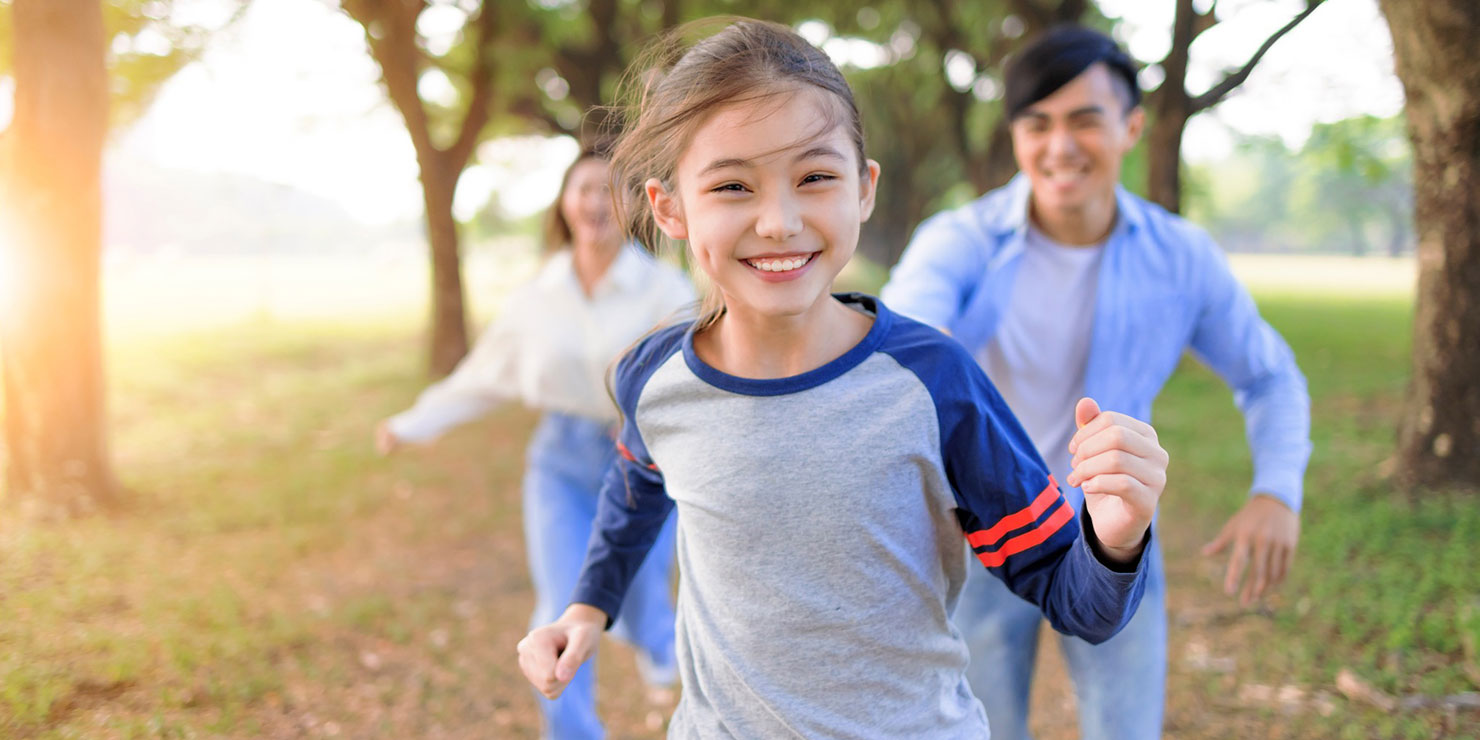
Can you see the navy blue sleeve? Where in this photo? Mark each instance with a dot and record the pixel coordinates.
(633, 504)
(1014, 516)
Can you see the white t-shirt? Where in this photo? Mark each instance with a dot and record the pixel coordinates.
(1038, 355)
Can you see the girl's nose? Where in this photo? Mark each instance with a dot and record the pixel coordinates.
(780, 218)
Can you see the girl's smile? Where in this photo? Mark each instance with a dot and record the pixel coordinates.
(779, 268)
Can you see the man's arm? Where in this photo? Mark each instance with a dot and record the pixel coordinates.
(937, 273)
(1270, 391)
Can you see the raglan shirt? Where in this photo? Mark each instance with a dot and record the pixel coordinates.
(823, 525)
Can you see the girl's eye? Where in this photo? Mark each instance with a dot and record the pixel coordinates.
(817, 177)
(729, 187)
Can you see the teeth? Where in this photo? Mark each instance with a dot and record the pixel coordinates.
(1066, 174)
(781, 265)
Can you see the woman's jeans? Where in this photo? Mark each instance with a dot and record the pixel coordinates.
(567, 461)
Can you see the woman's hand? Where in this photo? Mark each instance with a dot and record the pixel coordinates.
(1122, 470)
(386, 441)
(550, 655)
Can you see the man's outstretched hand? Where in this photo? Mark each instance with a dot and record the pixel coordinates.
(1262, 536)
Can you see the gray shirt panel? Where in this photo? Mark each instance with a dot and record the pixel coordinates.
(810, 528)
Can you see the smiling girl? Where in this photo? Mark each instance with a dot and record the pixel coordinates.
(832, 463)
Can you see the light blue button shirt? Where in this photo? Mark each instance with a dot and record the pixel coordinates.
(1164, 287)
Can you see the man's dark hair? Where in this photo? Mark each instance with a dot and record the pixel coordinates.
(1058, 56)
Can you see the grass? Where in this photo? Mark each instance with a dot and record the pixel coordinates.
(267, 558)
(1386, 584)
(175, 593)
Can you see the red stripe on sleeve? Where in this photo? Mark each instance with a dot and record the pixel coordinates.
(988, 537)
(627, 455)
(1024, 541)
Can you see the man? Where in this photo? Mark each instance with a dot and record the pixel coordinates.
(1063, 285)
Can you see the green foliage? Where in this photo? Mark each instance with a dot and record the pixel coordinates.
(148, 42)
(1348, 189)
(930, 133)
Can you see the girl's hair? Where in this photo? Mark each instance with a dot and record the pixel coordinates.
(684, 77)
(555, 234)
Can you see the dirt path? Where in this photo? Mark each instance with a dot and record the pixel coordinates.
(1208, 679)
(423, 608)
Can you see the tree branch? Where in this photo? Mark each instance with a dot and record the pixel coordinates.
(1219, 91)
(1033, 13)
(396, 53)
(478, 111)
(1203, 21)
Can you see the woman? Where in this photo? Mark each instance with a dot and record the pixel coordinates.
(550, 348)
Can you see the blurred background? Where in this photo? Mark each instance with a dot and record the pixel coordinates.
(236, 233)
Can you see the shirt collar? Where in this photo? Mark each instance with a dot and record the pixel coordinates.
(629, 272)
(1128, 214)
(626, 274)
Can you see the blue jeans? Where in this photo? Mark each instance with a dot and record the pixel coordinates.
(567, 459)
(1120, 684)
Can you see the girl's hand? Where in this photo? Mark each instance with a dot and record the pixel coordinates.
(1122, 470)
(386, 441)
(550, 655)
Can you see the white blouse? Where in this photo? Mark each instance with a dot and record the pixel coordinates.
(551, 345)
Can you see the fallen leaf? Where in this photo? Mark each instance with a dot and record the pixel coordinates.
(1356, 689)
(370, 660)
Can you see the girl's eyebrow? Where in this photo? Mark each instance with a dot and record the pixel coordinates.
(814, 152)
(721, 164)
(820, 151)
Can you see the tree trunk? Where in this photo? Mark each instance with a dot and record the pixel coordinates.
(449, 337)
(999, 164)
(1439, 433)
(1164, 151)
(1170, 107)
(50, 329)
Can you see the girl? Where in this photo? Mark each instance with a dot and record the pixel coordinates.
(551, 347)
(831, 462)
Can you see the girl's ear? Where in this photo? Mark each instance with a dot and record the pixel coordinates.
(667, 211)
(867, 188)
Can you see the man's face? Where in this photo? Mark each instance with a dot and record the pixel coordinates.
(1071, 143)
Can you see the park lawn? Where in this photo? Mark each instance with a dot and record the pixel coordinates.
(1385, 585)
(270, 576)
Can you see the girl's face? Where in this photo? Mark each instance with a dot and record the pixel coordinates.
(770, 211)
(586, 204)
